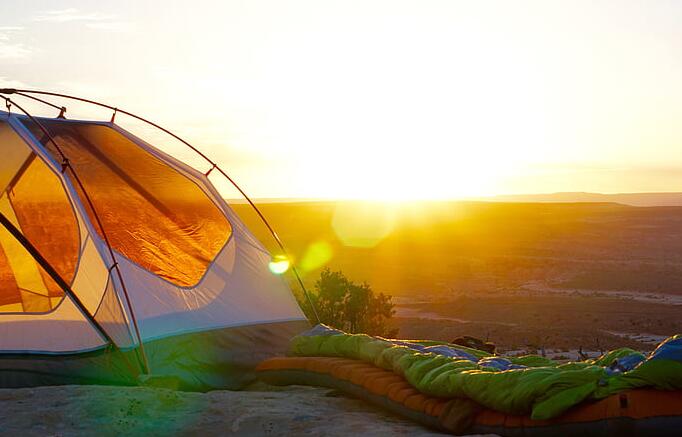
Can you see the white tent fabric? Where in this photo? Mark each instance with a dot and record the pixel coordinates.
(177, 276)
(65, 328)
(238, 289)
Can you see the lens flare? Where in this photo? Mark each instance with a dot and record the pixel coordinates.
(363, 224)
(316, 255)
(279, 265)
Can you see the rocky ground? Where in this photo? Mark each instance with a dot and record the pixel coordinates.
(132, 411)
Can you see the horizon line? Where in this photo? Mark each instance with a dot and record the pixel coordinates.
(596, 193)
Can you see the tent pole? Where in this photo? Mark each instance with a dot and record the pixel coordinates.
(16, 233)
(25, 93)
(277, 239)
(67, 165)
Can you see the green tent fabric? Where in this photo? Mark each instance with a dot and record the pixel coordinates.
(536, 385)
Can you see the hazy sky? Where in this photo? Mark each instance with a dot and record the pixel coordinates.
(380, 99)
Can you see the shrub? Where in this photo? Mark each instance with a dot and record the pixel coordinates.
(351, 307)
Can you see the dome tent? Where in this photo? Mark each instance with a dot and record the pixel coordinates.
(118, 261)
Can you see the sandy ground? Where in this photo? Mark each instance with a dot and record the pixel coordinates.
(132, 411)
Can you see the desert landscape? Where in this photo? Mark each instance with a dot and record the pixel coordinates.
(477, 206)
(558, 277)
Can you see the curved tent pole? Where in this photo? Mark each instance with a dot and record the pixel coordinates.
(62, 109)
(67, 165)
(280, 244)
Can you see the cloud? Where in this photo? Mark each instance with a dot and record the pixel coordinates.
(16, 52)
(110, 26)
(70, 14)
(10, 83)
(6, 30)
(92, 20)
(10, 50)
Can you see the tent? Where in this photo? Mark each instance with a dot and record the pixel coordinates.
(118, 261)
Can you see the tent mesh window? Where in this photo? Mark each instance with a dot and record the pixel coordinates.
(33, 198)
(152, 214)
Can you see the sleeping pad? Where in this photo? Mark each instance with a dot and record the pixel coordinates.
(529, 385)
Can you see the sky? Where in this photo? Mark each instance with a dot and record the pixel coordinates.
(373, 99)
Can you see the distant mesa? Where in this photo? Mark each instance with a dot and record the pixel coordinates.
(632, 199)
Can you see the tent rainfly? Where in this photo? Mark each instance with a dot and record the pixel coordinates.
(120, 264)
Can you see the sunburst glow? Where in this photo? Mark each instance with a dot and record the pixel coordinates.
(385, 99)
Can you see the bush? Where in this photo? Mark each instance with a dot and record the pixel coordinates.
(351, 307)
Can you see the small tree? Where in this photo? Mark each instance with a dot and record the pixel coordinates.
(355, 308)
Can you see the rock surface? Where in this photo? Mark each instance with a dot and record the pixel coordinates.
(131, 411)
